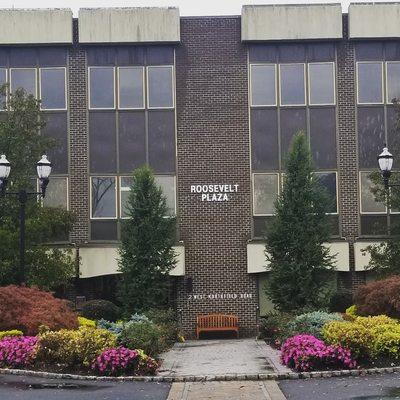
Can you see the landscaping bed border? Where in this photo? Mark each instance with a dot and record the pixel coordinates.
(200, 378)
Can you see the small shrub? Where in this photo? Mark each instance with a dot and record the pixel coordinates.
(116, 361)
(307, 353)
(25, 309)
(387, 341)
(341, 300)
(100, 309)
(352, 311)
(147, 366)
(375, 321)
(74, 348)
(379, 297)
(114, 327)
(311, 323)
(167, 320)
(274, 326)
(12, 333)
(18, 352)
(82, 321)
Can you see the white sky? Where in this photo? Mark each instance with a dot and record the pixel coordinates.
(187, 7)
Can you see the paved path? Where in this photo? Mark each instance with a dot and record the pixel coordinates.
(369, 387)
(13, 387)
(216, 357)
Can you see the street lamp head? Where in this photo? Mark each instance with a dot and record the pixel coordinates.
(43, 168)
(385, 160)
(5, 167)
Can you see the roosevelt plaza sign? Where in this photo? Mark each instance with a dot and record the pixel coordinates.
(215, 192)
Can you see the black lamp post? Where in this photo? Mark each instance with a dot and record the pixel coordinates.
(43, 168)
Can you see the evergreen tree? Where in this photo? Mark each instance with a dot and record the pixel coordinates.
(22, 143)
(294, 242)
(146, 253)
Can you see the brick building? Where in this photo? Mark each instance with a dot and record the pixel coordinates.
(211, 103)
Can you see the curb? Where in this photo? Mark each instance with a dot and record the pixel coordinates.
(202, 378)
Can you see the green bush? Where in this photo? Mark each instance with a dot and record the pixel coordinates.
(273, 325)
(340, 301)
(100, 309)
(166, 320)
(311, 323)
(13, 332)
(387, 341)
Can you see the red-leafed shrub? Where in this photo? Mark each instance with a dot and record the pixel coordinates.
(26, 309)
(379, 297)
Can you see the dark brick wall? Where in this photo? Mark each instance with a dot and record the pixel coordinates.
(213, 148)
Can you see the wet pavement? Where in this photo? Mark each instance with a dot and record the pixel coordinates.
(368, 387)
(14, 387)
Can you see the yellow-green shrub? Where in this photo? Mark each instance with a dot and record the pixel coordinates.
(387, 340)
(376, 321)
(13, 332)
(82, 321)
(74, 348)
(352, 311)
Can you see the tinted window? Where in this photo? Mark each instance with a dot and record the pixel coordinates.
(265, 192)
(160, 88)
(25, 79)
(52, 88)
(57, 193)
(101, 85)
(293, 120)
(369, 77)
(103, 197)
(3, 80)
(393, 81)
(126, 183)
(167, 184)
(292, 84)
(328, 181)
(322, 84)
(104, 230)
(368, 203)
(130, 85)
(263, 85)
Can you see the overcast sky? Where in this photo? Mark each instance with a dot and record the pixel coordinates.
(187, 7)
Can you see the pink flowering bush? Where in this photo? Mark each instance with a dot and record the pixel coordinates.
(18, 351)
(307, 353)
(116, 361)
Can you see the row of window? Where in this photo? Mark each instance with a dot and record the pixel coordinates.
(291, 90)
(377, 82)
(47, 84)
(109, 195)
(130, 88)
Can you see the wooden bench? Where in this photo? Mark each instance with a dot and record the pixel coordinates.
(217, 323)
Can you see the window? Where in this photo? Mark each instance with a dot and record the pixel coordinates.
(167, 184)
(56, 193)
(263, 85)
(328, 181)
(369, 82)
(24, 78)
(52, 88)
(160, 87)
(126, 183)
(292, 84)
(101, 87)
(130, 85)
(3, 80)
(393, 81)
(322, 83)
(368, 203)
(103, 197)
(265, 192)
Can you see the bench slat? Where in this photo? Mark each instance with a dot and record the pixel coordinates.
(217, 322)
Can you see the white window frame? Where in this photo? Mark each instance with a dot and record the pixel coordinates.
(143, 85)
(65, 89)
(334, 83)
(8, 88)
(116, 197)
(388, 101)
(305, 86)
(54, 177)
(35, 69)
(173, 87)
(88, 85)
(253, 195)
(250, 85)
(382, 79)
(337, 189)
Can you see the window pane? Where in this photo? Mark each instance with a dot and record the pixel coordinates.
(369, 76)
(24, 78)
(160, 87)
(3, 80)
(126, 183)
(103, 197)
(52, 88)
(328, 181)
(368, 203)
(101, 87)
(292, 84)
(393, 81)
(322, 85)
(57, 193)
(263, 85)
(130, 87)
(167, 184)
(265, 193)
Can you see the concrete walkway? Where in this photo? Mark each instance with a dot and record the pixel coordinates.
(217, 357)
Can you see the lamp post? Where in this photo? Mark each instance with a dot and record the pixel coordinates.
(43, 168)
